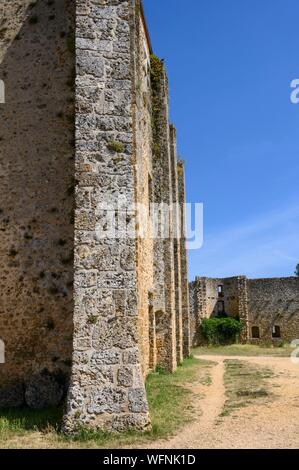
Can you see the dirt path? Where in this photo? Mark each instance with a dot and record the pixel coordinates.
(273, 424)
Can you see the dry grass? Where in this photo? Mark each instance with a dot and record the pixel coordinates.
(245, 383)
(249, 350)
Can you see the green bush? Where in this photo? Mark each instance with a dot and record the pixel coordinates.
(221, 330)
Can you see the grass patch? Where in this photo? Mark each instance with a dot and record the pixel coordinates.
(170, 403)
(20, 421)
(170, 397)
(244, 383)
(249, 350)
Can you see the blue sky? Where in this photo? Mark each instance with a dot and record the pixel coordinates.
(230, 64)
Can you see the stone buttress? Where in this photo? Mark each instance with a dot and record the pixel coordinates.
(92, 298)
(107, 387)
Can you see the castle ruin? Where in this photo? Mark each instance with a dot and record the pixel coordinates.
(85, 128)
(94, 285)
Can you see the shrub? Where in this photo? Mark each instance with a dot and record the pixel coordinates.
(221, 330)
(157, 71)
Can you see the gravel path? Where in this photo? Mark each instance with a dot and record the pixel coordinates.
(273, 424)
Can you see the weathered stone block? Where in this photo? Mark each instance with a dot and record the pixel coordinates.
(108, 400)
(137, 401)
(131, 356)
(91, 64)
(109, 357)
(86, 279)
(125, 377)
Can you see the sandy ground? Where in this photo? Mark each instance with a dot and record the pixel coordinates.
(271, 425)
(267, 424)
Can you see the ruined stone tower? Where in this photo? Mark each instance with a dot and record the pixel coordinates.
(86, 147)
(268, 308)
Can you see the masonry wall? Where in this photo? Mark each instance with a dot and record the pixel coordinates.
(186, 326)
(258, 303)
(274, 302)
(36, 191)
(177, 234)
(203, 304)
(206, 302)
(164, 274)
(144, 188)
(194, 315)
(91, 300)
(107, 387)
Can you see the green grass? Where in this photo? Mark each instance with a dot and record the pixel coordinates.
(169, 397)
(29, 420)
(248, 350)
(245, 383)
(166, 395)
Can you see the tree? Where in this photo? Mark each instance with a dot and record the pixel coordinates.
(297, 270)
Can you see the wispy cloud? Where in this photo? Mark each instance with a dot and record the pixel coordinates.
(268, 243)
(251, 227)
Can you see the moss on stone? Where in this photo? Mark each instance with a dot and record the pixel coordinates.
(92, 319)
(115, 146)
(157, 71)
(180, 169)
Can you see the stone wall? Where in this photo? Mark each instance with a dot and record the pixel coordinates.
(274, 302)
(144, 183)
(164, 276)
(87, 288)
(36, 191)
(207, 300)
(262, 304)
(107, 387)
(125, 285)
(183, 261)
(176, 244)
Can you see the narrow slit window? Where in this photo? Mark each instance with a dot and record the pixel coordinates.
(220, 307)
(255, 332)
(276, 333)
